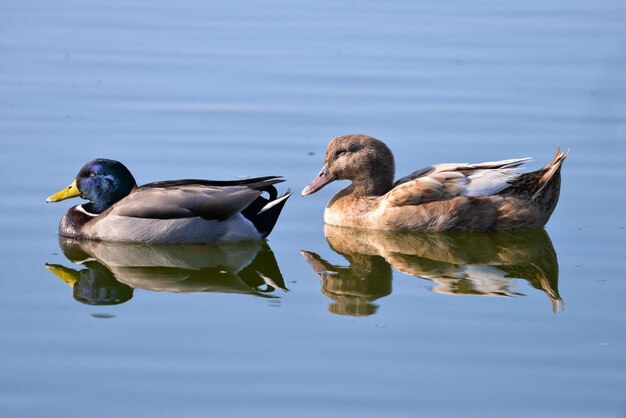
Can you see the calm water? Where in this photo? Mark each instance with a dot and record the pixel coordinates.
(315, 322)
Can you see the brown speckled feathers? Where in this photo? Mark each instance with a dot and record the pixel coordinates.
(491, 196)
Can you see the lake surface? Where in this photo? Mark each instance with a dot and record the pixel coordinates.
(353, 324)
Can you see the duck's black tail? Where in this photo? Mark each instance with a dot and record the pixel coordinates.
(264, 212)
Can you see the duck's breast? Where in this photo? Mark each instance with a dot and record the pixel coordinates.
(351, 211)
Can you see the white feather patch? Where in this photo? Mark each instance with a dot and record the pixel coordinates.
(81, 209)
(489, 182)
(275, 202)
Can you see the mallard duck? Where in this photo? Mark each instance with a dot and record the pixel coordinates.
(175, 211)
(489, 196)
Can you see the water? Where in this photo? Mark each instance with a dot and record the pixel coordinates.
(531, 325)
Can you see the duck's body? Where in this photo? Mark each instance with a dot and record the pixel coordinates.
(444, 197)
(175, 211)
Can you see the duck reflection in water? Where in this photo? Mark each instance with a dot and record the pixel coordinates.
(456, 263)
(114, 269)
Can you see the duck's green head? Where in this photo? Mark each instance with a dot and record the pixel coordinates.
(103, 182)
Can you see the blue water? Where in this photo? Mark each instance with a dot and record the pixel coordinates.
(234, 89)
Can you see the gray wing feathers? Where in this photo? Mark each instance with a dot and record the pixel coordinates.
(186, 201)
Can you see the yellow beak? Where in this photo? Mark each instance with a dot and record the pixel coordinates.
(67, 193)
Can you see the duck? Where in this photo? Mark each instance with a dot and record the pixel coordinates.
(487, 197)
(171, 211)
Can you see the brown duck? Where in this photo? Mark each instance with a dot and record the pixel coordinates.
(489, 196)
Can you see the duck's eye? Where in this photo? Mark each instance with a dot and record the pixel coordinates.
(91, 174)
(340, 151)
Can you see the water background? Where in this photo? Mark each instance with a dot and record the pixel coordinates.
(233, 89)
